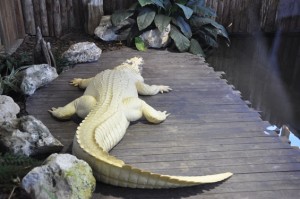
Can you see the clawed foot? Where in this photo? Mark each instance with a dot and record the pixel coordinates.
(165, 114)
(76, 82)
(165, 89)
(53, 111)
(161, 116)
(59, 113)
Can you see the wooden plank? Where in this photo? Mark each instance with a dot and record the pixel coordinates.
(195, 143)
(57, 18)
(215, 4)
(44, 18)
(206, 147)
(3, 34)
(28, 16)
(237, 15)
(64, 15)
(219, 10)
(79, 13)
(84, 8)
(245, 16)
(71, 14)
(19, 19)
(210, 130)
(268, 13)
(12, 23)
(109, 192)
(11, 35)
(6, 24)
(150, 142)
(36, 11)
(226, 14)
(94, 13)
(50, 17)
(185, 159)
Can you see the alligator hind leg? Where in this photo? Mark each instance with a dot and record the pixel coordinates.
(81, 83)
(153, 115)
(135, 108)
(81, 106)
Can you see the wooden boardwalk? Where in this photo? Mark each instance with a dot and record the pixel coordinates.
(210, 130)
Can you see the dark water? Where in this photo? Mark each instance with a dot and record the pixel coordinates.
(266, 69)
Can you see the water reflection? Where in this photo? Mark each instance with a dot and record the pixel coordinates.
(295, 141)
(266, 69)
(285, 134)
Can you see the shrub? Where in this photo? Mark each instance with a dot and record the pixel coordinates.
(193, 25)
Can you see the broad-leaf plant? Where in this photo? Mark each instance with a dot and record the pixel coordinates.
(193, 25)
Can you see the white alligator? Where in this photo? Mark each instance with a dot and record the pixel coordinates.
(108, 105)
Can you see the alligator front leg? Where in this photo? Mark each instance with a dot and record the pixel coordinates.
(135, 108)
(145, 89)
(81, 83)
(81, 106)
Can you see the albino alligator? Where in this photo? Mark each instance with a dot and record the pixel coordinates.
(109, 103)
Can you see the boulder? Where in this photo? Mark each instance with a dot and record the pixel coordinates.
(156, 39)
(107, 32)
(28, 136)
(36, 76)
(8, 108)
(62, 176)
(82, 52)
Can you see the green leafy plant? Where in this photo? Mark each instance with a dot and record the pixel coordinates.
(9, 67)
(193, 25)
(139, 44)
(10, 82)
(15, 166)
(12, 169)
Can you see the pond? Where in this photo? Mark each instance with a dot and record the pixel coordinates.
(266, 69)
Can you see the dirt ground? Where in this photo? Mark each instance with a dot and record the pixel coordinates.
(59, 45)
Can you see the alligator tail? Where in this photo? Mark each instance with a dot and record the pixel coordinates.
(93, 144)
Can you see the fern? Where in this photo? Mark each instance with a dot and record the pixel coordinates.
(15, 166)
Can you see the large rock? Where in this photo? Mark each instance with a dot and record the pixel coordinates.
(107, 32)
(82, 52)
(156, 39)
(36, 76)
(8, 108)
(62, 176)
(28, 136)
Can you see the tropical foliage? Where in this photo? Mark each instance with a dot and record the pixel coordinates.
(9, 67)
(193, 25)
